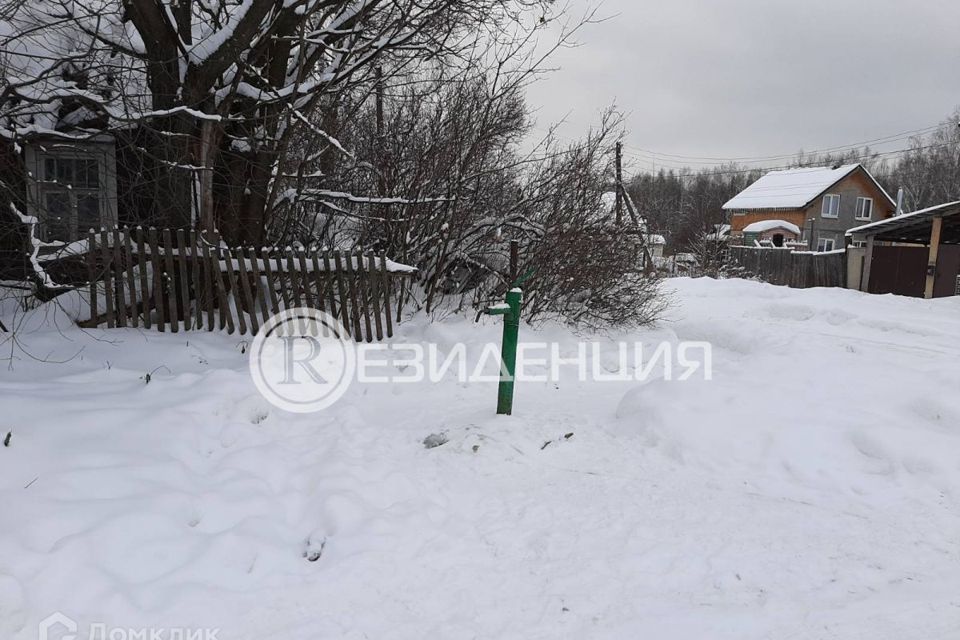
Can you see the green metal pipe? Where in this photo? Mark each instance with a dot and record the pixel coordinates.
(508, 350)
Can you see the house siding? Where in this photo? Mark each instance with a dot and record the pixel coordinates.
(856, 185)
(740, 220)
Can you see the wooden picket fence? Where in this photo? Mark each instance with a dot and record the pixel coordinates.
(797, 269)
(179, 280)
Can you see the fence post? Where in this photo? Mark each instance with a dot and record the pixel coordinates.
(159, 299)
(362, 276)
(118, 273)
(268, 274)
(131, 278)
(246, 301)
(145, 294)
(208, 284)
(259, 291)
(184, 278)
(107, 276)
(197, 287)
(94, 276)
(373, 279)
(386, 295)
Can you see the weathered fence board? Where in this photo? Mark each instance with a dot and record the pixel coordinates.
(208, 288)
(797, 269)
(373, 277)
(259, 289)
(181, 280)
(155, 301)
(107, 276)
(385, 278)
(94, 271)
(117, 276)
(196, 268)
(169, 281)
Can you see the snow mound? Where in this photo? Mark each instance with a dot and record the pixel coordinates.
(762, 226)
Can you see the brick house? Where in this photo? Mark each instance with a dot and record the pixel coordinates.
(823, 202)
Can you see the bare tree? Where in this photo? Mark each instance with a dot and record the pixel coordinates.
(208, 97)
(397, 125)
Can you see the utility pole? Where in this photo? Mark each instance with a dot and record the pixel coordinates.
(619, 201)
(381, 151)
(378, 72)
(207, 223)
(382, 160)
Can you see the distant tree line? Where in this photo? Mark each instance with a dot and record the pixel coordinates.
(684, 204)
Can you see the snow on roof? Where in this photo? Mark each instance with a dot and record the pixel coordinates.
(768, 225)
(790, 188)
(655, 238)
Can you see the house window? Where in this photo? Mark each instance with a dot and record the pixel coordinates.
(831, 206)
(71, 193)
(71, 186)
(825, 244)
(864, 208)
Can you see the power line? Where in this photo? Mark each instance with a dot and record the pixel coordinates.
(882, 140)
(779, 168)
(677, 166)
(680, 161)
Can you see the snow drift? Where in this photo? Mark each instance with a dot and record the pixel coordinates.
(809, 490)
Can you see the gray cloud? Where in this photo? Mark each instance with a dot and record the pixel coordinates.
(737, 78)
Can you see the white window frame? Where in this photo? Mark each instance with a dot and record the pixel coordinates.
(72, 192)
(869, 215)
(825, 208)
(822, 244)
(39, 186)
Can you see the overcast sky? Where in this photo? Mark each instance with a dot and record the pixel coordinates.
(748, 78)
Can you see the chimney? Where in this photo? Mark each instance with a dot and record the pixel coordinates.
(899, 202)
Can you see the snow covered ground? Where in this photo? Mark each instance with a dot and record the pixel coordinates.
(810, 490)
